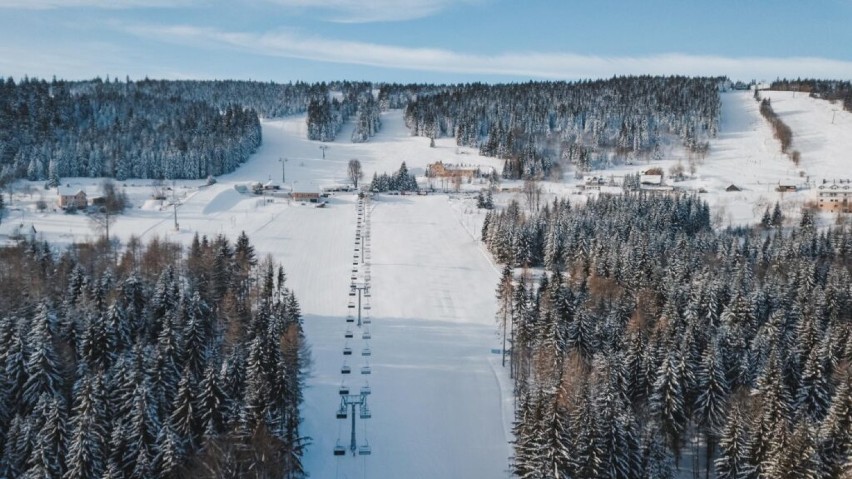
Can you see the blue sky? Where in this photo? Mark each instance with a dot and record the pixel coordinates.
(424, 40)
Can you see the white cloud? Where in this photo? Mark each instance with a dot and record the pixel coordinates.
(511, 64)
(363, 11)
(108, 4)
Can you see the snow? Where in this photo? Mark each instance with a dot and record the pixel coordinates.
(441, 404)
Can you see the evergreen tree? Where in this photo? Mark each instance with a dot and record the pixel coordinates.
(86, 443)
(733, 462)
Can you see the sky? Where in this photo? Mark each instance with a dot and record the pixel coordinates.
(429, 41)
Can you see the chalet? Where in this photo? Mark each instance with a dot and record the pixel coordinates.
(72, 197)
(786, 187)
(441, 170)
(310, 197)
(733, 188)
(835, 197)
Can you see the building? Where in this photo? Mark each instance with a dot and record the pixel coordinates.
(305, 196)
(651, 180)
(732, 188)
(72, 197)
(835, 197)
(441, 170)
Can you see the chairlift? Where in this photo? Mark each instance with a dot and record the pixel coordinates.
(366, 370)
(351, 306)
(348, 334)
(366, 335)
(344, 390)
(347, 351)
(365, 390)
(367, 307)
(366, 352)
(364, 450)
(365, 413)
(341, 413)
(366, 320)
(339, 450)
(345, 369)
(350, 319)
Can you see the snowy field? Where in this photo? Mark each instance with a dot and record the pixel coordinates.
(440, 401)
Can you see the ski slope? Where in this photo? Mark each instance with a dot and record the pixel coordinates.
(441, 404)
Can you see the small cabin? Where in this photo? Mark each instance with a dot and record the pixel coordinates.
(72, 197)
(786, 187)
(733, 187)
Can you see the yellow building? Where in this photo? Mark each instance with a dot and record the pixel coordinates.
(835, 197)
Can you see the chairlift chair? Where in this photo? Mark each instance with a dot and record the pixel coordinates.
(344, 390)
(339, 450)
(347, 351)
(365, 413)
(364, 450)
(366, 352)
(366, 335)
(366, 370)
(345, 369)
(365, 390)
(351, 306)
(366, 320)
(341, 413)
(349, 334)
(350, 319)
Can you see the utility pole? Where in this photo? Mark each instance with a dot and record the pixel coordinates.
(283, 172)
(323, 148)
(174, 204)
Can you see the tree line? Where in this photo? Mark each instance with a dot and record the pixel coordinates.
(402, 180)
(153, 362)
(831, 90)
(653, 344)
(542, 127)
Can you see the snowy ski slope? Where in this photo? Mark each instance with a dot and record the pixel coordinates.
(441, 405)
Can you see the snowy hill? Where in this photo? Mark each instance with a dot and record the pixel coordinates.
(440, 402)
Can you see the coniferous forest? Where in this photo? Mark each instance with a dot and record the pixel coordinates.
(150, 363)
(654, 344)
(588, 124)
